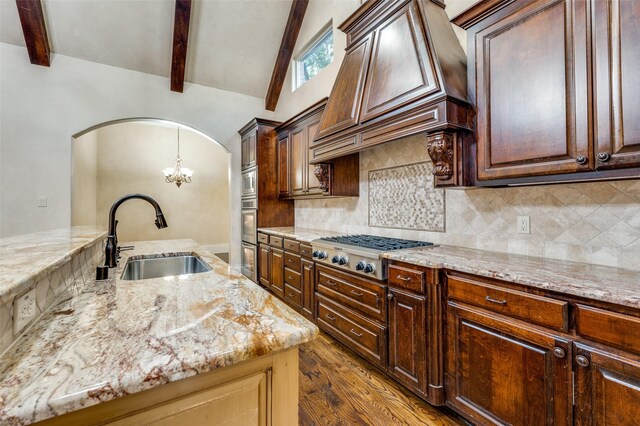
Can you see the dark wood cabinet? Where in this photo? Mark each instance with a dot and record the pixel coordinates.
(261, 206)
(555, 89)
(506, 372)
(616, 55)
(297, 177)
(308, 289)
(607, 387)
(276, 281)
(264, 265)
(408, 339)
(248, 150)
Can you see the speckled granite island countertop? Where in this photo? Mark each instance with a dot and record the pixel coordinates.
(603, 283)
(301, 234)
(26, 258)
(116, 337)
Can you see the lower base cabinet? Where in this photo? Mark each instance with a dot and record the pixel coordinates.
(607, 387)
(502, 371)
(408, 339)
(258, 392)
(276, 283)
(308, 289)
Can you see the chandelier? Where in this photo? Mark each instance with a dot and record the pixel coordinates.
(178, 174)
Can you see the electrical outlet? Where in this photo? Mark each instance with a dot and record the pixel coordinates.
(24, 311)
(524, 227)
(42, 201)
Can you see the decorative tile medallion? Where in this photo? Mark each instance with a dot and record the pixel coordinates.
(403, 197)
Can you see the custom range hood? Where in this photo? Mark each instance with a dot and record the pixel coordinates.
(404, 72)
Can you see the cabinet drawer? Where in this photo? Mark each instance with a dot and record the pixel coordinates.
(275, 241)
(364, 296)
(293, 296)
(409, 279)
(365, 337)
(263, 238)
(291, 245)
(536, 309)
(619, 330)
(292, 278)
(292, 261)
(306, 251)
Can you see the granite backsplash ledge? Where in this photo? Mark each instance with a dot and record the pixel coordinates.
(595, 222)
(50, 262)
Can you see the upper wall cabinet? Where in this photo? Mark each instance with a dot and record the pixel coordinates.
(297, 178)
(404, 72)
(555, 92)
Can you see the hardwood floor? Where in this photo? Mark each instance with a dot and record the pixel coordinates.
(339, 388)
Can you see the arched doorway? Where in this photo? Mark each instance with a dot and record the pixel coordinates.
(125, 156)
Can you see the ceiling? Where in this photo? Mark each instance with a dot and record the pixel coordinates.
(233, 44)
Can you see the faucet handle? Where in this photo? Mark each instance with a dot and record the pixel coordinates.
(125, 248)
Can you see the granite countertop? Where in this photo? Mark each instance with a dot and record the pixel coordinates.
(117, 337)
(603, 283)
(300, 234)
(27, 258)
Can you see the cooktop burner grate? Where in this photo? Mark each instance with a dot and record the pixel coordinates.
(378, 243)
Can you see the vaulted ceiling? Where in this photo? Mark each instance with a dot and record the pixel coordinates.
(233, 44)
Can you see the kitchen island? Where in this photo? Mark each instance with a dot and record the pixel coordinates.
(202, 348)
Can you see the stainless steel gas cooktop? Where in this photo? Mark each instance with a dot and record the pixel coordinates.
(361, 254)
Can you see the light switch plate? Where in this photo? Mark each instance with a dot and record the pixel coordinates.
(524, 225)
(24, 311)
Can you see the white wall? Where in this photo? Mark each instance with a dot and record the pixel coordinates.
(84, 185)
(41, 108)
(319, 14)
(129, 157)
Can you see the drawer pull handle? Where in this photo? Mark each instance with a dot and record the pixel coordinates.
(290, 277)
(582, 361)
(355, 293)
(400, 277)
(559, 352)
(355, 333)
(492, 300)
(291, 295)
(331, 283)
(329, 317)
(290, 260)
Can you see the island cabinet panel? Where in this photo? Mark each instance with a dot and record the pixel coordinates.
(532, 90)
(617, 92)
(343, 107)
(408, 339)
(276, 282)
(607, 387)
(500, 370)
(398, 40)
(308, 289)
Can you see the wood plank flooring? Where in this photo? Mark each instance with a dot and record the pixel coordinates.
(339, 388)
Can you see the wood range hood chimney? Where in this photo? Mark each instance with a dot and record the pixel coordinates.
(404, 73)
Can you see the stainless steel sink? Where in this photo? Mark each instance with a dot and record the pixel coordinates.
(157, 267)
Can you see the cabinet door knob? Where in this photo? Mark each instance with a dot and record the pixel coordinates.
(390, 296)
(582, 361)
(581, 160)
(559, 352)
(603, 157)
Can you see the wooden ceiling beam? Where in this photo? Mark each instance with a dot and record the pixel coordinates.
(35, 31)
(291, 31)
(180, 41)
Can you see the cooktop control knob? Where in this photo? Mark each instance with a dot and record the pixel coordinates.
(322, 255)
(361, 265)
(343, 260)
(316, 253)
(335, 259)
(370, 268)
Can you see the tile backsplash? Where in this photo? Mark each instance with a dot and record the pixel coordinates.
(596, 222)
(403, 197)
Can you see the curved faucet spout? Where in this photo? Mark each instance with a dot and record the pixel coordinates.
(111, 249)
